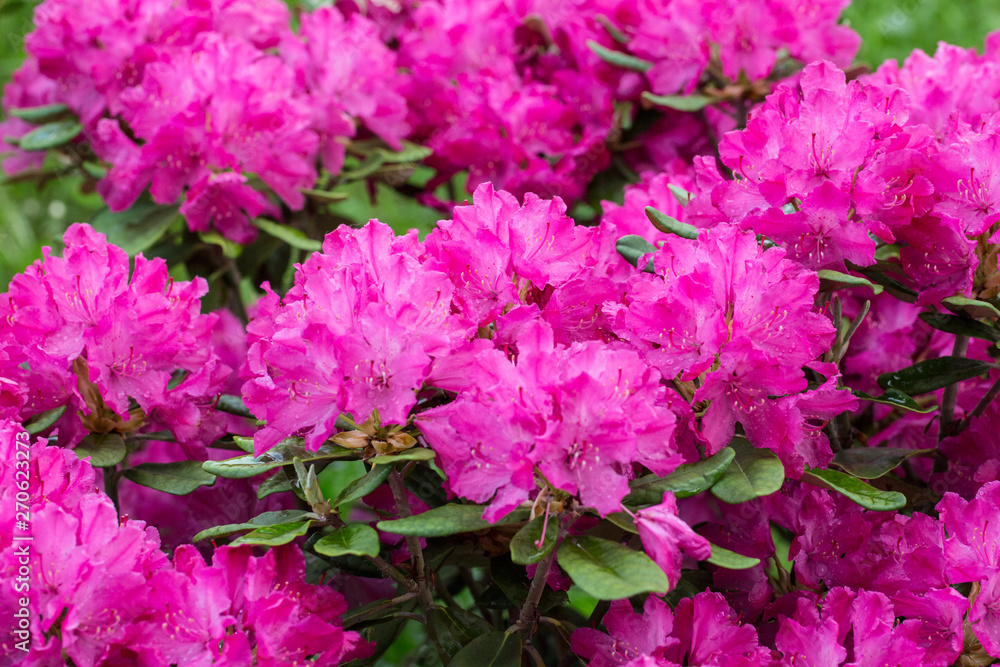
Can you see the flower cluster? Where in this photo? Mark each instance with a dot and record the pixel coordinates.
(102, 593)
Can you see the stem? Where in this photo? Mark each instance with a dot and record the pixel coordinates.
(419, 572)
(111, 477)
(354, 619)
(951, 392)
(393, 573)
(980, 408)
(528, 618)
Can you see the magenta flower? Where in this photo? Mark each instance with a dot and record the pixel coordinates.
(664, 535)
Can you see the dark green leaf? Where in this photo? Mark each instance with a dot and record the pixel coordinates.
(40, 114)
(446, 520)
(962, 326)
(289, 235)
(44, 420)
(623, 521)
(51, 135)
(234, 405)
(873, 462)
(863, 494)
(619, 59)
(494, 649)
(104, 449)
(276, 535)
(413, 454)
(971, 307)
(932, 374)
(834, 280)
(265, 519)
(276, 483)
(453, 628)
(688, 103)
(897, 399)
(178, 478)
(609, 571)
(688, 480)
(753, 473)
(731, 560)
(353, 539)
(893, 286)
(523, 549)
(361, 487)
(633, 248)
(282, 454)
(428, 484)
(669, 225)
(138, 228)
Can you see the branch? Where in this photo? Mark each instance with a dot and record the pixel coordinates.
(528, 618)
(951, 393)
(419, 572)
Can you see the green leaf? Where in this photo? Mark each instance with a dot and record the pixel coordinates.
(893, 286)
(412, 454)
(932, 374)
(494, 649)
(44, 420)
(873, 462)
(276, 535)
(731, 560)
(669, 225)
(353, 539)
(522, 547)
(753, 473)
(688, 103)
(897, 399)
(863, 494)
(971, 307)
(39, 114)
(290, 235)
(230, 249)
(410, 152)
(265, 519)
(609, 571)
(687, 480)
(51, 135)
(633, 248)
(623, 521)
(138, 228)
(361, 487)
(244, 443)
(371, 164)
(234, 405)
(325, 196)
(619, 59)
(104, 449)
(282, 454)
(179, 478)
(680, 194)
(276, 483)
(962, 326)
(834, 280)
(447, 520)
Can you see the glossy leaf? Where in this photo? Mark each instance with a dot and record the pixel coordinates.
(277, 483)
(633, 248)
(44, 420)
(897, 399)
(234, 405)
(873, 462)
(51, 135)
(137, 228)
(178, 478)
(863, 494)
(687, 480)
(276, 535)
(265, 519)
(609, 571)
(689, 103)
(413, 454)
(971, 307)
(293, 237)
(669, 225)
(731, 560)
(753, 473)
(834, 280)
(282, 454)
(362, 486)
(104, 449)
(446, 520)
(523, 549)
(354, 539)
(962, 326)
(494, 649)
(619, 59)
(932, 374)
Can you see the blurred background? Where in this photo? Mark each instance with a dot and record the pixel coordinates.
(31, 217)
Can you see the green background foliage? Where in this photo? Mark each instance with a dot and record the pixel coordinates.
(31, 217)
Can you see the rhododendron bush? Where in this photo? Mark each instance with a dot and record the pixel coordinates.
(698, 365)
